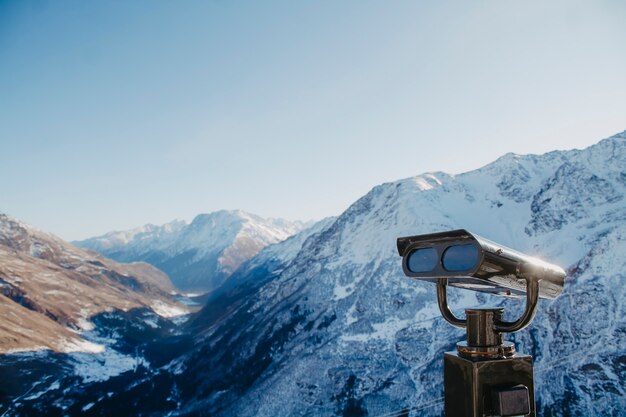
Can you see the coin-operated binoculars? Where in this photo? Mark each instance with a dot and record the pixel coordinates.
(485, 376)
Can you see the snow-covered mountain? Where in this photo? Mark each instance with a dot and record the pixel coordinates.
(198, 256)
(341, 331)
(325, 323)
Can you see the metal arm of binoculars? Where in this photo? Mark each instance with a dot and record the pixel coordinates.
(532, 296)
(442, 300)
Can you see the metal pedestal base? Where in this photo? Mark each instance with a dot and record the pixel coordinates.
(488, 387)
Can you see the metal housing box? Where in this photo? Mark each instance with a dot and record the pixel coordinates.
(473, 386)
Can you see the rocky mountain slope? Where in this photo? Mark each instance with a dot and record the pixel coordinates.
(49, 290)
(325, 323)
(198, 256)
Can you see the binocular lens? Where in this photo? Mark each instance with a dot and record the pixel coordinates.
(422, 260)
(460, 258)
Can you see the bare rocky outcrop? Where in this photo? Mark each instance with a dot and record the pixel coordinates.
(49, 289)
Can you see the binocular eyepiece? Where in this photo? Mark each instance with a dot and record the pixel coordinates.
(472, 262)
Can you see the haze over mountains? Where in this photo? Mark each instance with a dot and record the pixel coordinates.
(200, 255)
(325, 322)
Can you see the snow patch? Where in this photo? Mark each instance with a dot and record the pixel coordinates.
(105, 365)
(85, 325)
(342, 291)
(79, 345)
(350, 315)
(151, 321)
(55, 385)
(33, 351)
(168, 310)
(382, 331)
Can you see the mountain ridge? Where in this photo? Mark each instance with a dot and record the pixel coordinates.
(50, 289)
(200, 255)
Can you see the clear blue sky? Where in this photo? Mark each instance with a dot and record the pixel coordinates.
(114, 114)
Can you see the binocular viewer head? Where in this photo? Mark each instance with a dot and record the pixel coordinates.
(469, 261)
(485, 376)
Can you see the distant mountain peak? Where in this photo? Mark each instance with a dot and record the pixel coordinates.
(200, 255)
